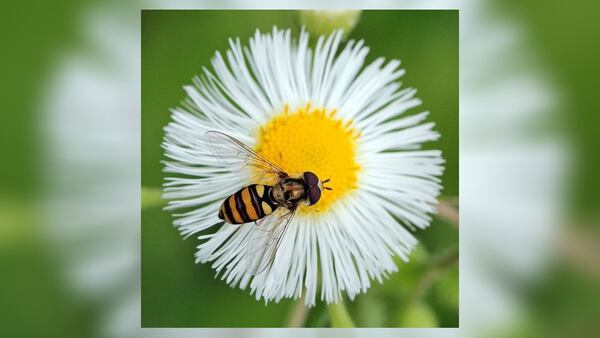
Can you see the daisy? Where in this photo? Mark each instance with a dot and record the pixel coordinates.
(316, 110)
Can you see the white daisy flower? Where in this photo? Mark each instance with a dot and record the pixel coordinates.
(305, 110)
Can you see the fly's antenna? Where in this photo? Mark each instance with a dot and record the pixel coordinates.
(324, 187)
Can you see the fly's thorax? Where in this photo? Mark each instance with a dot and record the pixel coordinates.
(277, 192)
(289, 191)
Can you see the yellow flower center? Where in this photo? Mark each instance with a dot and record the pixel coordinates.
(313, 139)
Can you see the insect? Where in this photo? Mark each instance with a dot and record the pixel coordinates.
(270, 207)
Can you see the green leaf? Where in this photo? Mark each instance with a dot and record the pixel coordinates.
(418, 315)
(371, 311)
(339, 315)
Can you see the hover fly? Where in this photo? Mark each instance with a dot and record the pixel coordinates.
(270, 207)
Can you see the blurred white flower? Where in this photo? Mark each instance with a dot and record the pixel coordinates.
(305, 110)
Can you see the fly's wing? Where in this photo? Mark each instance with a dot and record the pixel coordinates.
(265, 240)
(238, 156)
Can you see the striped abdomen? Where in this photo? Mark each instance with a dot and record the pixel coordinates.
(247, 204)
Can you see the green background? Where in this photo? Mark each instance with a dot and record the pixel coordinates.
(178, 293)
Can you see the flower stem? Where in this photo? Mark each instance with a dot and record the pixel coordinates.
(299, 313)
(151, 197)
(447, 210)
(339, 315)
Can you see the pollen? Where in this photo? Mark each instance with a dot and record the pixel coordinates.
(313, 139)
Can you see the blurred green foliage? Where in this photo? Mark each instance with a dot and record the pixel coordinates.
(178, 293)
(34, 299)
(25, 68)
(567, 37)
